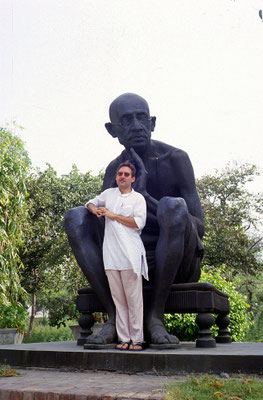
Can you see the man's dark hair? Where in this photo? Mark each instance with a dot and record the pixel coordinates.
(127, 164)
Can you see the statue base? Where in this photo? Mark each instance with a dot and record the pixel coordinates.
(231, 358)
(93, 346)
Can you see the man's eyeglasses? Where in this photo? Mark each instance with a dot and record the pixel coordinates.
(126, 174)
(127, 120)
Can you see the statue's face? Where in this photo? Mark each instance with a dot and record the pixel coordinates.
(132, 123)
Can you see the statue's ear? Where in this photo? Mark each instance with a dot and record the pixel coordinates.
(153, 120)
(110, 129)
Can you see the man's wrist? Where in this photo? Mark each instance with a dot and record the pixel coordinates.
(113, 216)
(92, 208)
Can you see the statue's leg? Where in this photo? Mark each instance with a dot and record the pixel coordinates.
(174, 222)
(85, 235)
(189, 270)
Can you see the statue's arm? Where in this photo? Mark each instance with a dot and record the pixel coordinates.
(140, 184)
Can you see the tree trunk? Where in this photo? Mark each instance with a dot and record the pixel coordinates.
(33, 314)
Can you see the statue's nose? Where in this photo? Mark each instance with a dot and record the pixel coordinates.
(136, 124)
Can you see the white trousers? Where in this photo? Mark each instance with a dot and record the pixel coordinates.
(126, 291)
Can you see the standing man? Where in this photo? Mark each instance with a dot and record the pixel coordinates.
(124, 255)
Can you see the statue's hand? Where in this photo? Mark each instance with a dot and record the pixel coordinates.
(141, 174)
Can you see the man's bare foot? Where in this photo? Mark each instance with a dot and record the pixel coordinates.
(105, 336)
(157, 334)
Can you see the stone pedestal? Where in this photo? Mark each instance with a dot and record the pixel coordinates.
(10, 336)
(76, 329)
(200, 298)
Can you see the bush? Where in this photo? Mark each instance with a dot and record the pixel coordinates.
(255, 334)
(61, 308)
(184, 326)
(13, 316)
(43, 332)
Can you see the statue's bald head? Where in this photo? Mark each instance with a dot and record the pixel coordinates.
(128, 102)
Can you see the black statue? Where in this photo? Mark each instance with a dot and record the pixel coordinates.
(174, 228)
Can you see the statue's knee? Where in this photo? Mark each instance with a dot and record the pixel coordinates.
(74, 219)
(172, 212)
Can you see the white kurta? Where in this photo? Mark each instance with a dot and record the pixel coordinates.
(122, 246)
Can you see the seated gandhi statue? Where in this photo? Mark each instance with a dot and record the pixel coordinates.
(174, 226)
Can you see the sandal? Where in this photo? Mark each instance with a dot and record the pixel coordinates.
(136, 346)
(123, 346)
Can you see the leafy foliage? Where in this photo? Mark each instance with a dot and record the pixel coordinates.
(47, 255)
(49, 263)
(43, 332)
(240, 316)
(184, 326)
(6, 370)
(232, 219)
(13, 316)
(61, 307)
(255, 333)
(14, 167)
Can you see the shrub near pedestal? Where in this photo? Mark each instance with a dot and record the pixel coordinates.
(184, 325)
(13, 322)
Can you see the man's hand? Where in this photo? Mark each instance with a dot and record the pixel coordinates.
(127, 221)
(104, 212)
(98, 211)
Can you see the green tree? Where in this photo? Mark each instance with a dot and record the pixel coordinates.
(232, 220)
(50, 267)
(14, 168)
(256, 331)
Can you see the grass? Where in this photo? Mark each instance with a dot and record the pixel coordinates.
(42, 332)
(6, 370)
(212, 388)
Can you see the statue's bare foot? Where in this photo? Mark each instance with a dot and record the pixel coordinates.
(105, 336)
(158, 335)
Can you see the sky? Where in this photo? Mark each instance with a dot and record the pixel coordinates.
(198, 64)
